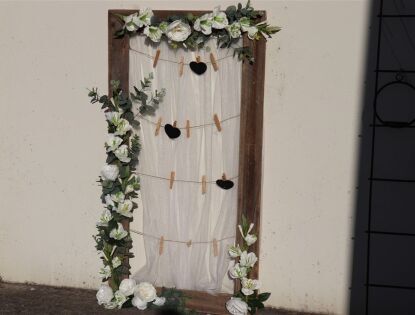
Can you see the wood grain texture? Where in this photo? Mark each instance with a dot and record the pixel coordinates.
(251, 129)
(250, 142)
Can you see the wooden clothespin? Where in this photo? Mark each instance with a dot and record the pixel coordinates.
(215, 247)
(156, 58)
(161, 245)
(189, 243)
(187, 128)
(158, 125)
(181, 66)
(197, 58)
(224, 176)
(217, 122)
(214, 62)
(204, 184)
(172, 175)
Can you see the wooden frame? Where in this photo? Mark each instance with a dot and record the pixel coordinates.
(251, 128)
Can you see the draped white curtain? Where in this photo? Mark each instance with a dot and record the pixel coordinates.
(184, 213)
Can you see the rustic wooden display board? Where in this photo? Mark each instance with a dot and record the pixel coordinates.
(250, 146)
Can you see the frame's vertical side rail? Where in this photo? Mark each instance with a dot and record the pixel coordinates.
(250, 145)
(118, 69)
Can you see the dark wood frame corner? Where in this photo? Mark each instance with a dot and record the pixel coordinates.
(251, 127)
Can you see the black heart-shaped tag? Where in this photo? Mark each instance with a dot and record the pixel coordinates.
(224, 183)
(198, 67)
(171, 131)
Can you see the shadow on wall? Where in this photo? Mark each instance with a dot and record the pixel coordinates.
(383, 261)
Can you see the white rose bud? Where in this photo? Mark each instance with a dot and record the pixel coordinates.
(127, 286)
(120, 298)
(234, 251)
(104, 294)
(145, 291)
(113, 142)
(249, 285)
(122, 153)
(110, 172)
(139, 303)
(237, 271)
(247, 260)
(250, 239)
(159, 301)
(236, 306)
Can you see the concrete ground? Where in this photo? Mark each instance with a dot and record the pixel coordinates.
(40, 299)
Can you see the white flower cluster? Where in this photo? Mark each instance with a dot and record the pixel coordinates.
(140, 294)
(240, 270)
(179, 31)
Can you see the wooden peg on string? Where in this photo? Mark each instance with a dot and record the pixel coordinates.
(204, 184)
(214, 62)
(161, 245)
(156, 58)
(158, 125)
(197, 59)
(223, 176)
(189, 243)
(172, 175)
(187, 128)
(217, 122)
(181, 66)
(215, 247)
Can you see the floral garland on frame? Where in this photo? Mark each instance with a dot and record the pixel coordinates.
(193, 32)
(119, 186)
(247, 299)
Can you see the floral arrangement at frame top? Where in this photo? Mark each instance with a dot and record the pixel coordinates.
(119, 179)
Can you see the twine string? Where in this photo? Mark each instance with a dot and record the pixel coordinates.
(177, 241)
(182, 180)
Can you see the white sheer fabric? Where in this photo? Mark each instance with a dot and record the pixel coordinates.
(184, 213)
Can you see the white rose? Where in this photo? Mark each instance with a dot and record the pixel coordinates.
(122, 154)
(236, 306)
(105, 272)
(237, 271)
(234, 30)
(120, 298)
(124, 208)
(250, 239)
(247, 260)
(129, 189)
(178, 31)
(234, 251)
(139, 303)
(113, 142)
(123, 126)
(108, 201)
(131, 22)
(113, 117)
(104, 294)
(219, 20)
(110, 172)
(249, 285)
(144, 17)
(145, 291)
(252, 32)
(118, 233)
(116, 262)
(153, 32)
(127, 286)
(118, 197)
(159, 301)
(105, 218)
(204, 24)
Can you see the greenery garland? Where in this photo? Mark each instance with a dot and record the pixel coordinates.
(192, 32)
(119, 186)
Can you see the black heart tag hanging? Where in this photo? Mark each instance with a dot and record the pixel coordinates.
(171, 131)
(224, 183)
(197, 66)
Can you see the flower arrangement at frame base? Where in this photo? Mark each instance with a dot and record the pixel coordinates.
(247, 299)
